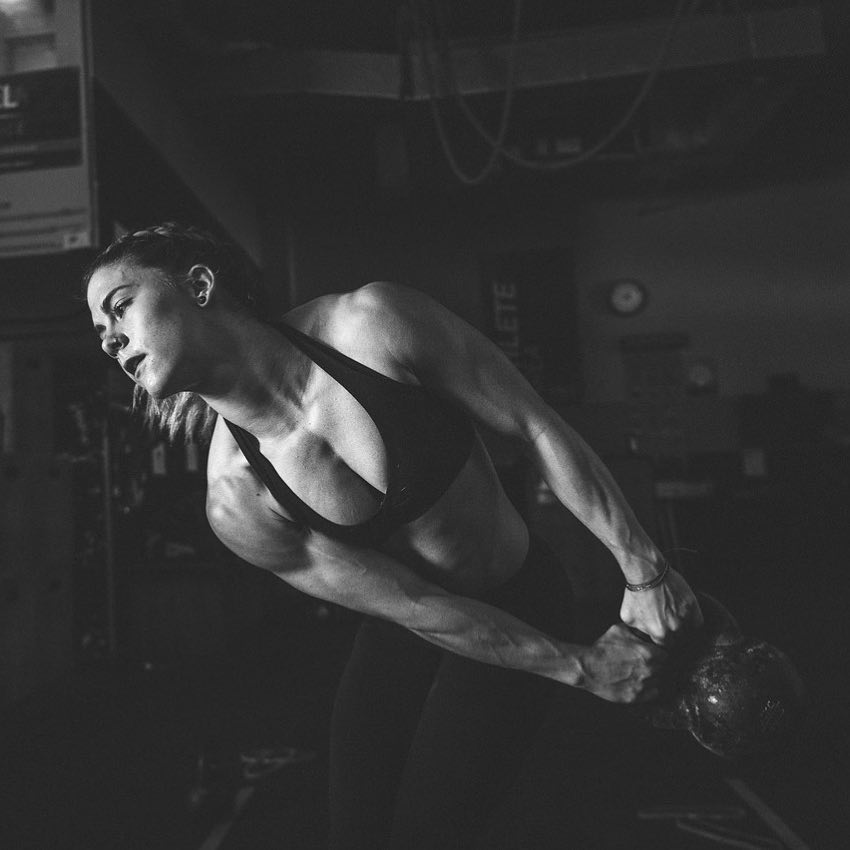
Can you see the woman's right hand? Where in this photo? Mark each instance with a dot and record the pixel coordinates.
(621, 667)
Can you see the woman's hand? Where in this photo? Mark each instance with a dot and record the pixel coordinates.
(620, 667)
(664, 611)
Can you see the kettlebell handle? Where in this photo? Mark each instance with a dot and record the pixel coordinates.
(719, 626)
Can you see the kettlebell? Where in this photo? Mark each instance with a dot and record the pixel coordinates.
(738, 696)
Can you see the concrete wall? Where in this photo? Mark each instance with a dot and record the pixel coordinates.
(337, 252)
(435, 250)
(145, 92)
(760, 281)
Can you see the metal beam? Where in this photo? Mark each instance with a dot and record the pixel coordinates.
(590, 54)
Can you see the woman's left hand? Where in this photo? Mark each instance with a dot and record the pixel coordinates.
(662, 612)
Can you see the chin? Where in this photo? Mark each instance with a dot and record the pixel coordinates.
(159, 393)
(158, 387)
(161, 390)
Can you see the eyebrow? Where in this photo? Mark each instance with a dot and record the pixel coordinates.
(104, 305)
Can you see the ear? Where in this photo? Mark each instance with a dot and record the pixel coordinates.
(202, 281)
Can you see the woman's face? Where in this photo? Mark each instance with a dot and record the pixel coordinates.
(151, 327)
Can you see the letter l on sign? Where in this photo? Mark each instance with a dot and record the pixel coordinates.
(6, 100)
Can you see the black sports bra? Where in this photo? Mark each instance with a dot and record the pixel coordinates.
(427, 440)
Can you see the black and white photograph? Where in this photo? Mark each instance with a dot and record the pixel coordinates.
(424, 424)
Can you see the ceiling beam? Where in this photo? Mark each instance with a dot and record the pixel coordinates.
(589, 54)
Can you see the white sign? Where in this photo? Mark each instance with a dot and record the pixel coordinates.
(47, 201)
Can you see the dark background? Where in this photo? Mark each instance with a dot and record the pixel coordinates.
(132, 644)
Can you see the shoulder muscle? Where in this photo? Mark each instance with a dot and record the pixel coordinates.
(443, 351)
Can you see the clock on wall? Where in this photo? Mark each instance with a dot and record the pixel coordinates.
(627, 296)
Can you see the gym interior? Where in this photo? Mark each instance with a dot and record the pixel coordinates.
(646, 205)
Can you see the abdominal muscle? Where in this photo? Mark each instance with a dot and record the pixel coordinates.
(470, 541)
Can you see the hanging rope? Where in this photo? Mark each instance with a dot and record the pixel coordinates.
(426, 41)
(496, 143)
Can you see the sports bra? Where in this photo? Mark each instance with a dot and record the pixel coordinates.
(427, 441)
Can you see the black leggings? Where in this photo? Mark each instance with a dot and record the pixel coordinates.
(425, 743)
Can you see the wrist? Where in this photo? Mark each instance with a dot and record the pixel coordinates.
(570, 669)
(642, 569)
(652, 583)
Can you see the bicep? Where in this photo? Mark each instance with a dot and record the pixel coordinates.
(239, 514)
(360, 579)
(251, 531)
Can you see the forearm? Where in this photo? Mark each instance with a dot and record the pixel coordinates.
(617, 667)
(481, 632)
(373, 583)
(583, 484)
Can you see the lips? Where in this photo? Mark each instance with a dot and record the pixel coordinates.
(132, 363)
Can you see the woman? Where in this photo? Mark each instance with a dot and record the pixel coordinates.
(344, 458)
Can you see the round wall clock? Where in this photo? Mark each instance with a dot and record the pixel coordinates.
(627, 297)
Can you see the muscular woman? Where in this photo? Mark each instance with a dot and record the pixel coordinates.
(344, 458)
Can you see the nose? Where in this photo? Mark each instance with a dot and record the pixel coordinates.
(113, 343)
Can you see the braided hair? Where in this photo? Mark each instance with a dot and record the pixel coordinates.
(173, 249)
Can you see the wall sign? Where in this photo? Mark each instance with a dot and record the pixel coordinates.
(532, 316)
(40, 123)
(47, 199)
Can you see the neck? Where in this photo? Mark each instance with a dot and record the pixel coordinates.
(255, 380)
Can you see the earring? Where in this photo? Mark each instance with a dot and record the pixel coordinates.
(202, 299)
